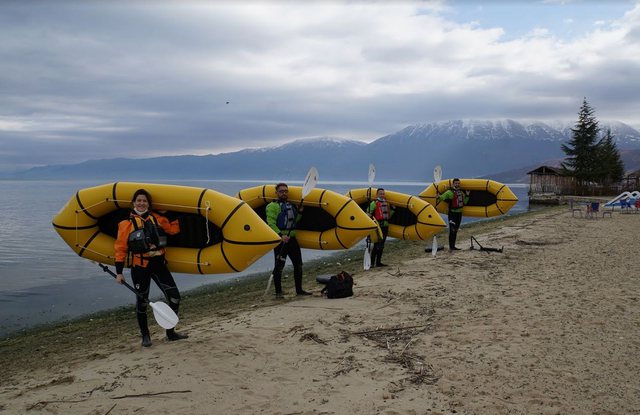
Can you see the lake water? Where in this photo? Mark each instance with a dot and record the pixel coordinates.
(43, 280)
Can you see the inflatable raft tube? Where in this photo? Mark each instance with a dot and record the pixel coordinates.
(413, 219)
(218, 233)
(487, 198)
(330, 220)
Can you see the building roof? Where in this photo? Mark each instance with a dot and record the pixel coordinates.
(550, 170)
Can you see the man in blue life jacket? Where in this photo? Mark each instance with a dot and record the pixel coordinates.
(282, 217)
(382, 211)
(457, 199)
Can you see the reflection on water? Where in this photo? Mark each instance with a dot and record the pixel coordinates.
(43, 280)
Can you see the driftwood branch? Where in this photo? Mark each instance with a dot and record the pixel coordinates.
(405, 347)
(143, 395)
(390, 329)
(45, 403)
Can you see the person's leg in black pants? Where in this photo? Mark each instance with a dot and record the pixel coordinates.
(378, 248)
(290, 249)
(163, 278)
(280, 259)
(295, 254)
(141, 278)
(454, 224)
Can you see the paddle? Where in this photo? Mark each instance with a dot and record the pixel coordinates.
(309, 184)
(437, 177)
(437, 174)
(367, 250)
(163, 314)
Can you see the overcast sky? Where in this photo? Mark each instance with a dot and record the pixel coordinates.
(84, 80)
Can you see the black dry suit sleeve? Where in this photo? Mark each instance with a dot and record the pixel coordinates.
(119, 267)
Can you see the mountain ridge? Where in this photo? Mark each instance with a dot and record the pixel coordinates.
(466, 148)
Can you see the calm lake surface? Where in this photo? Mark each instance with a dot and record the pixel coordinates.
(43, 280)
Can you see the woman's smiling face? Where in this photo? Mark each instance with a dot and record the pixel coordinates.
(141, 203)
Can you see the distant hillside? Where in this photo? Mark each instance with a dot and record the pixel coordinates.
(462, 148)
(630, 158)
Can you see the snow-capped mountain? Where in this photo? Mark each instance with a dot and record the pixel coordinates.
(465, 148)
(508, 129)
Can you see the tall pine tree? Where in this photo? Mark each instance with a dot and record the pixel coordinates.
(581, 149)
(610, 166)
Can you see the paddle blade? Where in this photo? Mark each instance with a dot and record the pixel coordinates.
(310, 182)
(266, 290)
(437, 174)
(434, 246)
(367, 259)
(372, 174)
(164, 315)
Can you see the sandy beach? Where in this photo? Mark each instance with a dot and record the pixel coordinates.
(549, 326)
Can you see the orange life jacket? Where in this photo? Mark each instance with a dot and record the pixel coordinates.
(126, 227)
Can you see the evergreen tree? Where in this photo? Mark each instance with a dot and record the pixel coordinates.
(610, 166)
(581, 149)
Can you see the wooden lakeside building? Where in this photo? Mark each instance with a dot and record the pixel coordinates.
(548, 185)
(632, 181)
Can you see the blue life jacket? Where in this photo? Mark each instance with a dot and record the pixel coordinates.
(287, 218)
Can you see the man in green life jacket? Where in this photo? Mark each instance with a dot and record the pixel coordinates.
(382, 211)
(282, 217)
(457, 199)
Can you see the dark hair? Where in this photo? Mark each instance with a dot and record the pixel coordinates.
(142, 192)
(455, 180)
(378, 189)
(280, 185)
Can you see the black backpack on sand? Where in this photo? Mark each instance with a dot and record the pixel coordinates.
(339, 286)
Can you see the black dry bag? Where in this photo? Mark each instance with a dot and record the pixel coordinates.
(339, 286)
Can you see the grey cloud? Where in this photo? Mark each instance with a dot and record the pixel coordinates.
(99, 81)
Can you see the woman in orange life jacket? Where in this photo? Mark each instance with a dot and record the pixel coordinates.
(456, 199)
(382, 211)
(148, 262)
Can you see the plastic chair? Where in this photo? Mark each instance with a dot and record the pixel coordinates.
(592, 210)
(574, 208)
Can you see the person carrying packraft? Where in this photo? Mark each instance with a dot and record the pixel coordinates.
(457, 199)
(282, 217)
(142, 237)
(381, 211)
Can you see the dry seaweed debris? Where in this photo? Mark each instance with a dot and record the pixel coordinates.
(397, 341)
(312, 337)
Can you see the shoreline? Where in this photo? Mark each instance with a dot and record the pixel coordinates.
(199, 301)
(548, 326)
(340, 256)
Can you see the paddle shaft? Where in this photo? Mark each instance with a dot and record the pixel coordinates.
(126, 284)
(367, 248)
(437, 176)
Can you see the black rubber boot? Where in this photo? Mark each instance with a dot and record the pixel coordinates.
(379, 258)
(173, 335)
(146, 340)
(297, 279)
